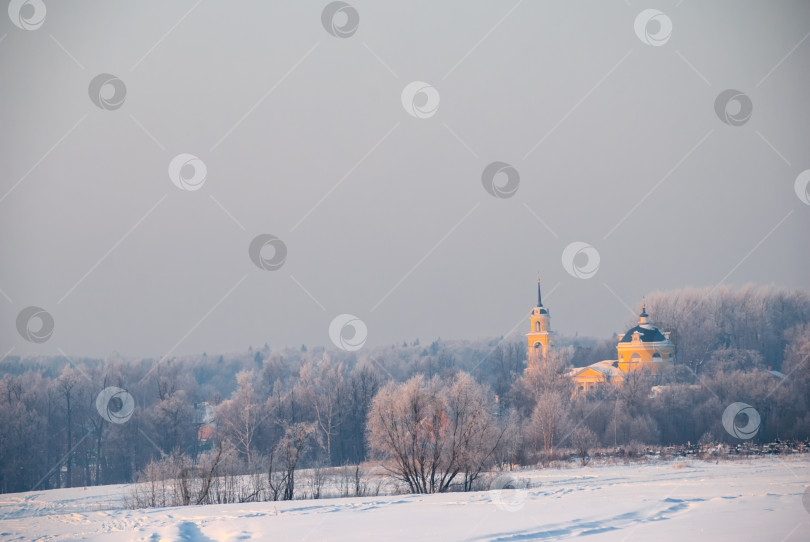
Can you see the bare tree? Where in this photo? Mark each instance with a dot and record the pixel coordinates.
(325, 385)
(473, 433)
(431, 433)
(549, 416)
(67, 382)
(548, 376)
(172, 420)
(297, 438)
(240, 417)
(583, 440)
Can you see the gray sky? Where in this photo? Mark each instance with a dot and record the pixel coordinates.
(384, 215)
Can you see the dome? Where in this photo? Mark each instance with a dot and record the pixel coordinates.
(646, 333)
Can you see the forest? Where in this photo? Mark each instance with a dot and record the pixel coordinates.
(435, 415)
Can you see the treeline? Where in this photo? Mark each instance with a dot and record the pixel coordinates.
(449, 408)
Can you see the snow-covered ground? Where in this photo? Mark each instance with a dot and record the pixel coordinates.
(758, 500)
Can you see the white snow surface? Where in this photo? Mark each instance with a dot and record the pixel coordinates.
(759, 499)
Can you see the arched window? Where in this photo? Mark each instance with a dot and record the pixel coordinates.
(656, 358)
(635, 359)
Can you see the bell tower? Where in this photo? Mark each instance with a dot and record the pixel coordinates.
(540, 337)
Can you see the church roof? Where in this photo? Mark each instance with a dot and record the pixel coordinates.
(647, 333)
(605, 367)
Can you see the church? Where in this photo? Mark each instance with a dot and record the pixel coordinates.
(643, 347)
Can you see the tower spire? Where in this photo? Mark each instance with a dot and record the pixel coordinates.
(539, 297)
(642, 318)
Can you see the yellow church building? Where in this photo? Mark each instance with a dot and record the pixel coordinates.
(642, 347)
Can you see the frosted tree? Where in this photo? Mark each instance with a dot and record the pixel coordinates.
(549, 417)
(431, 432)
(284, 459)
(325, 386)
(240, 416)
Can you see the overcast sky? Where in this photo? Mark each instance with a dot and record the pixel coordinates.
(613, 133)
